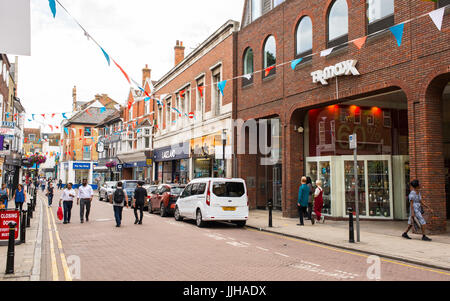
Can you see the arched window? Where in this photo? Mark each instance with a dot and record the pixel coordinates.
(248, 66)
(380, 15)
(270, 55)
(304, 38)
(338, 23)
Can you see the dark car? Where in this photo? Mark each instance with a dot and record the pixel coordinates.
(164, 198)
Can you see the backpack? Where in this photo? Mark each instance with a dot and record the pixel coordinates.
(119, 196)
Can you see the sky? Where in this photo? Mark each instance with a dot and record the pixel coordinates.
(133, 32)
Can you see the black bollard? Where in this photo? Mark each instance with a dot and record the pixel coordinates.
(29, 215)
(23, 226)
(10, 257)
(351, 238)
(270, 206)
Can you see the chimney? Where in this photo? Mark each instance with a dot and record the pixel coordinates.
(146, 73)
(179, 52)
(74, 98)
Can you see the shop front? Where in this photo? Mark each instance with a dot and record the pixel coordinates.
(172, 163)
(381, 125)
(138, 170)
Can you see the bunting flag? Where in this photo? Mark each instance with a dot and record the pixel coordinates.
(437, 16)
(67, 131)
(182, 93)
(397, 31)
(102, 110)
(53, 115)
(106, 56)
(87, 111)
(248, 76)
(32, 116)
(222, 85)
(123, 72)
(81, 131)
(43, 115)
(64, 115)
(295, 63)
(268, 69)
(147, 99)
(200, 90)
(176, 110)
(52, 5)
(326, 52)
(360, 42)
(51, 127)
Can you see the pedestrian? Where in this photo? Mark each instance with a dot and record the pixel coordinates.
(416, 210)
(59, 184)
(119, 198)
(67, 201)
(140, 194)
(318, 202)
(42, 184)
(310, 199)
(85, 194)
(19, 197)
(302, 202)
(50, 194)
(4, 194)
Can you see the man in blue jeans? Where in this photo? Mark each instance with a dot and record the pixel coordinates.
(67, 200)
(119, 199)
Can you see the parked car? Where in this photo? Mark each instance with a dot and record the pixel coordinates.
(164, 198)
(213, 199)
(129, 186)
(106, 190)
(150, 189)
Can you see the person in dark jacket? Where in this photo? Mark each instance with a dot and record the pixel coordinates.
(311, 198)
(140, 194)
(302, 201)
(19, 197)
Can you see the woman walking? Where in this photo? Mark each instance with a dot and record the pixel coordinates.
(302, 202)
(19, 197)
(318, 202)
(416, 211)
(50, 194)
(4, 193)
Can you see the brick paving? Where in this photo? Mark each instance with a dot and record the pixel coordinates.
(163, 250)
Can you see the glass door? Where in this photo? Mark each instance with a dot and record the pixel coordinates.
(349, 177)
(321, 170)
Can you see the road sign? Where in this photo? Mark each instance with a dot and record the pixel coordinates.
(7, 216)
(119, 167)
(353, 141)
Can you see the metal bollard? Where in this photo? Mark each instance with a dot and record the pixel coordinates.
(23, 226)
(351, 238)
(270, 206)
(10, 257)
(29, 215)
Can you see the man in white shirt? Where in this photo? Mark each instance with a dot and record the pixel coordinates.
(67, 200)
(85, 194)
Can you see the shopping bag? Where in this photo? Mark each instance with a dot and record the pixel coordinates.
(60, 213)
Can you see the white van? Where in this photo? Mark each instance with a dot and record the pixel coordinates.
(213, 199)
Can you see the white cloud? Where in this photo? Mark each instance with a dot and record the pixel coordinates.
(134, 32)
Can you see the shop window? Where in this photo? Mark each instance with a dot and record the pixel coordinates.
(380, 15)
(270, 55)
(304, 39)
(248, 67)
(338, 24)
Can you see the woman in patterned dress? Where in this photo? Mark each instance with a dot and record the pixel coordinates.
(415, 200)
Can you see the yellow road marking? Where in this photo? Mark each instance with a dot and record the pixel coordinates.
(61, 252)
(349, 252)
(52, 250)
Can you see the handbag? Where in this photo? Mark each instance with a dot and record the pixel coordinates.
(60, 213)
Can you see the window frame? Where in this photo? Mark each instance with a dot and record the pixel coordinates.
(342, 39)
(245, 81)
(306, 55)
(380, 24)
(200, 100)
(274, 70)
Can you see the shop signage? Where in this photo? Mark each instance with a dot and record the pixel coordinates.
(135, 164)
(6, 131)
(343, 68)
(174, 152)
(149, 162)
(119, 167)
(8, 124)
(79, 166)
(6, 217)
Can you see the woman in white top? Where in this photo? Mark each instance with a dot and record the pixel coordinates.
(318, 202)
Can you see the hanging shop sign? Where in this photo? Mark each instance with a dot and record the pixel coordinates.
(174, 152)
(79, 166)
(343, 68)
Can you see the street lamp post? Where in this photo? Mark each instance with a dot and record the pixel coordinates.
(224, 142)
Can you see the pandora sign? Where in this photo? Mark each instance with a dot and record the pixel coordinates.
(343, 68)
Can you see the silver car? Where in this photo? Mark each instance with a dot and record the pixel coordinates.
(106, 190)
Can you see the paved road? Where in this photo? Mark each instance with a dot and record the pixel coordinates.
(164, 250)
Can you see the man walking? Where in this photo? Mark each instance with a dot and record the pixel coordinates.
(302, 202)
(85, 194)
(140, 193)
(118, 199)
(67, 201)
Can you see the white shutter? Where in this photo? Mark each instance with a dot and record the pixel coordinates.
(267, 6)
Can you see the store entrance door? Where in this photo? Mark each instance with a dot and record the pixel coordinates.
(446, 142)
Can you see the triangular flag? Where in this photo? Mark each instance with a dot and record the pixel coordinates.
(51, 127)
(221, 85)
(360, 42)
(87, 111)
(147, 99)
(67, 131)
(268, 69)
(124, 73)
(397, 31)
(43, 115)
(326, 52)
(53, 115)
(32, 115)
(52, 5)
(294, 63)
(437, 16)
(106, 56)
(200, 90)
(64, 115)
(102, 110)
(248, 76)
(182, 93)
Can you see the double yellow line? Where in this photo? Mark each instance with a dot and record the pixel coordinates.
(55, 272)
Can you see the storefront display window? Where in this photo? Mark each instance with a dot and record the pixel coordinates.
(202, 168)
(378, 177)
(350, 186)
(80, 175)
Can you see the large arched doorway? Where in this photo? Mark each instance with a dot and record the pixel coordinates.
(446, 142)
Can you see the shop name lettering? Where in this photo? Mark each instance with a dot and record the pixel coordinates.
(343, 68)
(168, 154)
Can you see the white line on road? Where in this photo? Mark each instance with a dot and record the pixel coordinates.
(281, 254)
(245, 243)
(262, 249)
(236, 244)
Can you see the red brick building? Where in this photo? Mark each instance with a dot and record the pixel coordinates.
(398, 104)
